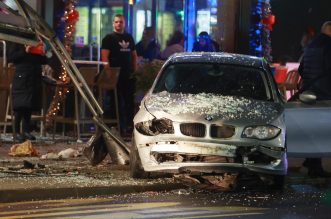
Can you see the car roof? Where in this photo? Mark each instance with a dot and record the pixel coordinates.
(218, 57)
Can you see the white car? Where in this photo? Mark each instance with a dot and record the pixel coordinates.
(211, 113)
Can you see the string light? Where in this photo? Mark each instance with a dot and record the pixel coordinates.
(70, 18)
(260, 40)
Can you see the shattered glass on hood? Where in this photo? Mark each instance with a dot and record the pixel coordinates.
(227, 107)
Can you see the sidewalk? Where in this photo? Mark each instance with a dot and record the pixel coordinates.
(33, 178)
(63, 178)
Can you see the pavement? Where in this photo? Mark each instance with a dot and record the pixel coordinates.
(48, 176)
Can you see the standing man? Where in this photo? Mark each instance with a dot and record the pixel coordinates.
(118, 50)
(315, 71)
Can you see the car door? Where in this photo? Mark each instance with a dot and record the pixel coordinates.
(308, 128)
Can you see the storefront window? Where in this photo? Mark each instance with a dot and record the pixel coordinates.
(206, 17)
(95, 22)
(170, 18)
(142, 17)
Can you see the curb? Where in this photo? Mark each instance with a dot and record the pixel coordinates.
(80, 192)
(35, 194)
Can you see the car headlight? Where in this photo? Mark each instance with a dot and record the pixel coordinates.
(155, 127)
(263, 132)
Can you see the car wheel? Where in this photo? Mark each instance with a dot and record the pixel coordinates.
(136, 169)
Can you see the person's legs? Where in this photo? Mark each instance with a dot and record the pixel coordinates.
(26, 121)
(18, 118)
(26, 124)
(129, 103)
(121, 108)
(125, 90)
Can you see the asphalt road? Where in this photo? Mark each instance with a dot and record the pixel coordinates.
(311, 200)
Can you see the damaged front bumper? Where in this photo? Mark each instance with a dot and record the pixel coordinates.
(203, 157)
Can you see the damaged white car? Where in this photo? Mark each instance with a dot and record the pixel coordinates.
(211, 114)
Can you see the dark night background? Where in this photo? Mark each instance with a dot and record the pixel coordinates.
(293, 17)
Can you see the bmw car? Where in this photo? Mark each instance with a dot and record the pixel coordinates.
(211, 114)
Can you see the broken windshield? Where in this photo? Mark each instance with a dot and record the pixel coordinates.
(214, 78)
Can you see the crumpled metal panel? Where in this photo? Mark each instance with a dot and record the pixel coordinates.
(117, 153)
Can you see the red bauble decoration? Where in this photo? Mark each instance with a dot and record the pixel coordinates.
(73, 16)
(270, 20)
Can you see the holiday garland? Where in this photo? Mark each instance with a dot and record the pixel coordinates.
(69, 18)
(261, 25)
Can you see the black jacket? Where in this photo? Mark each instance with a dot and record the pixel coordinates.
(26, 85)
(151, 52)
(315, 67)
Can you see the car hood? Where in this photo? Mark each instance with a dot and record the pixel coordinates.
(210, 107)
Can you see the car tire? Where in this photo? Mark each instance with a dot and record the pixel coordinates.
(136, 169)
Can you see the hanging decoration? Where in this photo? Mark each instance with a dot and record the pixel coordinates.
(261, 25)
(268, 19)
(255, 42)
(69, 18)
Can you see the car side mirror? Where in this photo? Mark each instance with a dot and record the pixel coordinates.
(308, 97)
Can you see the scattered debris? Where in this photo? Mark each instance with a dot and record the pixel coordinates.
(64, 154)
(226, 181)
(182, 191)
(186, 179)
(41, 166)
(69, 153)
(28, 164)
(50, 156)
(96, 149)
(23, 149)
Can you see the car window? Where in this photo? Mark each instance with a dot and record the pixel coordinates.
(229, 80)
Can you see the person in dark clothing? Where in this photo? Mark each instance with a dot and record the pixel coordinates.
(315, 71)
(148, 48)
(26, 85)
(216, 45)
(174, 45)
(118, 50)
(306, 38)
(204, 43)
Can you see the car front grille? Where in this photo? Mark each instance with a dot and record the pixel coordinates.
(224, 131)
(193, 129)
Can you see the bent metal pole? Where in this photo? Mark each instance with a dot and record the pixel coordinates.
(40, 27)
